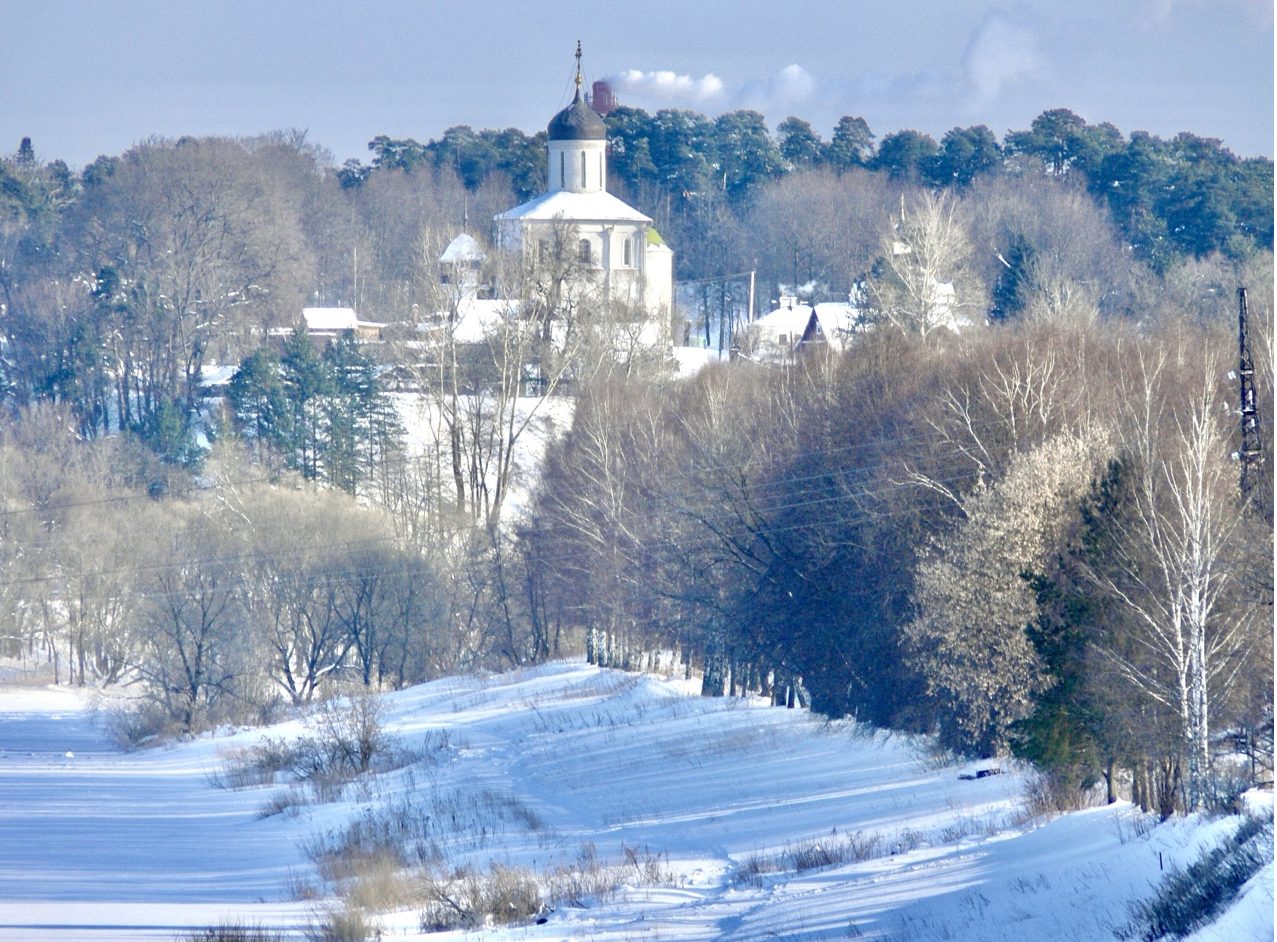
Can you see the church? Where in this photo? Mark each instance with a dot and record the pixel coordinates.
(612, 241)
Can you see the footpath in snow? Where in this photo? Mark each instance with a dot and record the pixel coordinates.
(541, 764)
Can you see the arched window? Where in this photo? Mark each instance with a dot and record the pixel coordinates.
(543, 252)
(585, 251)
(626, 253)
(562, 170)
(582, 169)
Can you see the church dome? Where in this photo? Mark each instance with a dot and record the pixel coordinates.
(577, 122)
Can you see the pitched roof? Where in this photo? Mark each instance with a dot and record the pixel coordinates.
(575, 207)
(463, 249)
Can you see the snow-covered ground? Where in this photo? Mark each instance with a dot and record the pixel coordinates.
(99, 844)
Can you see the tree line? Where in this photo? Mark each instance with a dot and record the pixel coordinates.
(1186, 196)
(1030, 540)
(1025, 535)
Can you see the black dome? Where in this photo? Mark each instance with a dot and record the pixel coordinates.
(577, 122)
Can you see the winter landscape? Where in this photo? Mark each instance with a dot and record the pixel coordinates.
(739, 471)
(709, 819)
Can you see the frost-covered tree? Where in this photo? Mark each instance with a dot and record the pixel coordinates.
(973, 598)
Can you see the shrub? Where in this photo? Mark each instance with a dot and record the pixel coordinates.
(140, 724)
(351, 730)
(343, 925)
(467, 898)
(235, 932)
(348, 739)
(1189, 899)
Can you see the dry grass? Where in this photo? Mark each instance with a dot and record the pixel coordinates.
(343, 925)
(235, 932)
(467, 898)
(836, 851)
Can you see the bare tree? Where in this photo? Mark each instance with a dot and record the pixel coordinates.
(194, 651)
(1171, 557)
(926, 282)
(203, 244)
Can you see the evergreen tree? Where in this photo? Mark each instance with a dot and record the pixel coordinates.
(305, 382)
(745, 153)
(852, 144)
(349, 448)
(799, 144)
(1064, 142)
(168, 432)
(1010, 291)
(681, 147)
(965, 153)
(261, 406)
(905, 154)
(630, 156)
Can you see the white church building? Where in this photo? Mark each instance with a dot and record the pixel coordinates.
(612, 240)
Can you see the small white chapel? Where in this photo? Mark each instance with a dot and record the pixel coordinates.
(614, 239)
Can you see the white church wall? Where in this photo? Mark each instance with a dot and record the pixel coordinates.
(577, 166)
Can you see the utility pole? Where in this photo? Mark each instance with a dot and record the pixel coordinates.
(1251, 453)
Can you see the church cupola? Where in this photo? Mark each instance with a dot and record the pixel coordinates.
(578, 145)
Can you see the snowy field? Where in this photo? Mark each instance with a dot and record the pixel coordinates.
(100, 844)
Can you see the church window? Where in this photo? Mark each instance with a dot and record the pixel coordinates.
(543, 252)
(582, 169)
(585, 251)
(628, 260)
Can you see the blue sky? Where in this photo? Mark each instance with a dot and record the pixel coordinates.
(85, 78)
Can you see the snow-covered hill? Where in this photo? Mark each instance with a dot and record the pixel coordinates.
(735, 797)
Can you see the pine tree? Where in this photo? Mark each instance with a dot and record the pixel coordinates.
(1011, 290)
(261, 407)
(305, 381)
(852, 144)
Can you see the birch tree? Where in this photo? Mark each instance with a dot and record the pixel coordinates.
(1169, 558)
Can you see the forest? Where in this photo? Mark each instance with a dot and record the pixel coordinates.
(1031, 537)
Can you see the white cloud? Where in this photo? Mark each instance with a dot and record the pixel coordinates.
(666, 86)
(781, 90)
(999, 54)
(1161, 12)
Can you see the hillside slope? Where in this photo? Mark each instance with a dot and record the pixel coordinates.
(736, 799)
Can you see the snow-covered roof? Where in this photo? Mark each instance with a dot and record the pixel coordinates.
(837, 319)
(478, 318)
(330, 318)
(577, 207)
(463, 249)
(787, 321)
(334, 319)
(213, 374)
